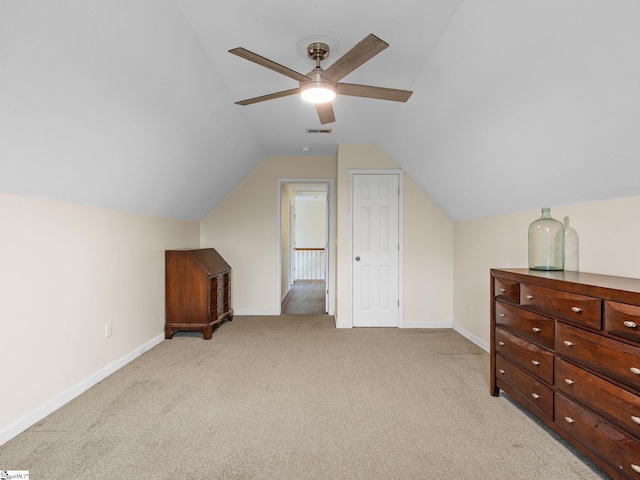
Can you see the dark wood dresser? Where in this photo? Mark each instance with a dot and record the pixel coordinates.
(566, 346)
(197, 291)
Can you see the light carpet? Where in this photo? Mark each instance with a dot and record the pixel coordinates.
(292, 397)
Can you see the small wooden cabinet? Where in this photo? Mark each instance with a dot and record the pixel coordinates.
(566, 346)
(197, 291)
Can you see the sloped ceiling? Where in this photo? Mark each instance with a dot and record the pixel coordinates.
(129, 104)
(525, 104)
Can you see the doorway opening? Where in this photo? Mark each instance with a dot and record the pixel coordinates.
(305, 297)
(305, 249)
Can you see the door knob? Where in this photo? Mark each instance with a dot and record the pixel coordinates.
(357, 259)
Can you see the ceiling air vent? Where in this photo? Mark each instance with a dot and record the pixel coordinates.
(319, 130)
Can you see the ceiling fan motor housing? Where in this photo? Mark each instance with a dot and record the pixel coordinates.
(318, 51)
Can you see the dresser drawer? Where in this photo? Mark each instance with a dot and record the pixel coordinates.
(617, 449)
(531, 390)
(507, 289)
(578, 308)
(622, 320)
(526, 354)
(616, 404)
(527, 324)
(610, 357)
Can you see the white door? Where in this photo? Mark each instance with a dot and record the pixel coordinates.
(376, 250)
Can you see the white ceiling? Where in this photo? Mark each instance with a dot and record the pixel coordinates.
(281, 31)
(129, 104)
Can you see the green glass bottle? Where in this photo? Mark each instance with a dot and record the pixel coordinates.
(546, 243)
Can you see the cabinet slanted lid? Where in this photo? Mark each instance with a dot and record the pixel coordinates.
(210, 260)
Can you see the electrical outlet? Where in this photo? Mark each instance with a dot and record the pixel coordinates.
(468, 306)
(107, 329)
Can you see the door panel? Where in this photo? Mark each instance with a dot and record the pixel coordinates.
(375, 263)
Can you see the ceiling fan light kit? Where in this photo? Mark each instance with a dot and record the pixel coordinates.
(321, 86)
(317, 90)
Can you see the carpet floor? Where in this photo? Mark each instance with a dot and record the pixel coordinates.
(292, 397)
(305, 297)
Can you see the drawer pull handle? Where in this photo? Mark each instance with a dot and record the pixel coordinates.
(630, 324)
(536, 329)
(535, 362)
(635, 370)
(501, 371)
(569, 420)
(568, 343)
(503, 290)
(535, 395)
(503, 314)
(635, 467)
(635, 419)
(529, 297)
(568, 381)
(501, 343)
(576, 310)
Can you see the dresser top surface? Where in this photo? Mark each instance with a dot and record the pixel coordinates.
(578, 279)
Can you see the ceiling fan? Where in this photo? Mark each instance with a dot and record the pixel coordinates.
(321, 86)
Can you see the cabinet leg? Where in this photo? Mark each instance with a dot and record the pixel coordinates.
(168, 333)
(207, 332)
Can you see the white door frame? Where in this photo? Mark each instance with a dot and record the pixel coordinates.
(292, 240)
(400, 174)
(330, 274)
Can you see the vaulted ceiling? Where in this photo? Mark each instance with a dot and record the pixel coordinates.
(129, 104)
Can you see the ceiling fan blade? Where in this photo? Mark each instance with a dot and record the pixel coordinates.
(368, 48)
(271, 96)
(265, 62)
(380, 93)
(325, 112)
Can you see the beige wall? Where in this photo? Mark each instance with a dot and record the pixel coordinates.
(311, 223)
(65, 271)
(428, 250)
(428, 261)
(242, 228)
(608, 233)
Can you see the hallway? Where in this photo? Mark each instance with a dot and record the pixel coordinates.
(305, 297)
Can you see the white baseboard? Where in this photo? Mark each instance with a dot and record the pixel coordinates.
(427, 325)
(284, 295)
(52, 405)
(406, 325)
(472, 338)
